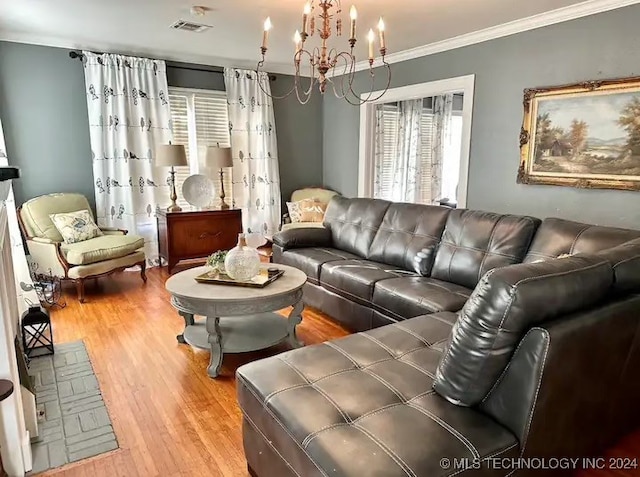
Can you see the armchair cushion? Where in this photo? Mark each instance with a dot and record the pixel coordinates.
(76, 226)
(105, 247)
(303, 238)
(35, 213)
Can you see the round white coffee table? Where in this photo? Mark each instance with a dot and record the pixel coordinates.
(238, 319)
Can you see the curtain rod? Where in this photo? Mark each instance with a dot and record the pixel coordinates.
(77, 55)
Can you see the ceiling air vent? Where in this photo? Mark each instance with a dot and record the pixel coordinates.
(189, 26)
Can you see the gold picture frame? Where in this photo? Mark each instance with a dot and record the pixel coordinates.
(584, 135)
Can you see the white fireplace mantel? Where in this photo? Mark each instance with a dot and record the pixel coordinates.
(15, 447)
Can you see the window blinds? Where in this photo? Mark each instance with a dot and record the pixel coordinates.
(180, 127)
(390, 140)
(200, 119)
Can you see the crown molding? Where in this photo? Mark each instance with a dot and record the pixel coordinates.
(560, 15)
(552, 17)
(160, 54)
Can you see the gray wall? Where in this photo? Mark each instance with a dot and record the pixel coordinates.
(299, 131)
(602, 46)
(44, 116)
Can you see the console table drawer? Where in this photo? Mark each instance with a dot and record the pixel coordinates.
(190, 235)
(203, 235)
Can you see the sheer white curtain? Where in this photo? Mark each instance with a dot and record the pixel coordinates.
(129, 115)
(256, 176)
(441, 141)
(397, 174)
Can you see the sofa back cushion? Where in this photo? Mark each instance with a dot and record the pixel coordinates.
(475, 242)
(558, 236)
(506, 303)
(625, 260)
(354, 223)
(35, 213)
(406, 230)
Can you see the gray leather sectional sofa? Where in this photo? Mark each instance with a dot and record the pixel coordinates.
(478, 347)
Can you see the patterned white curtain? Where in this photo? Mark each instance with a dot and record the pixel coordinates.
(404, 183)
(256, 176)
(441, 140)
(129, 115)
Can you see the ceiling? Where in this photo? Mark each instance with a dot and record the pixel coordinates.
(141, 26)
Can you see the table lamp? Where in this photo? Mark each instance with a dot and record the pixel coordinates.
(172, 155)
(219, 158)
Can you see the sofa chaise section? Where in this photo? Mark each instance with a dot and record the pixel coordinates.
(362, 405)
(529, 368)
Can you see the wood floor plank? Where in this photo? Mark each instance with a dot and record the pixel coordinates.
(170, 418)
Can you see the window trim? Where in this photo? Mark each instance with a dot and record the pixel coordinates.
(458, 84)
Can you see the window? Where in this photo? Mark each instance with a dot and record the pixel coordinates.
(200, 119)
(451, 162)
(383, 161)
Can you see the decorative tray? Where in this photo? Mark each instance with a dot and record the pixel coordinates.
(264, 278)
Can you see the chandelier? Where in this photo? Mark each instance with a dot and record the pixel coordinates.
(326, 65)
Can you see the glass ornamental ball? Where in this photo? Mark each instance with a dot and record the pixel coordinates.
(242, 262)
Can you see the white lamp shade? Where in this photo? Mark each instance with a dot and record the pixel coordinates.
(218, 157)
(171, 155)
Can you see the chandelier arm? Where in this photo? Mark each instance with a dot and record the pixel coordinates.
(372, 76)
(349, 60)
(307, 96)
(359, 101)
(297, 76)
(286, 95)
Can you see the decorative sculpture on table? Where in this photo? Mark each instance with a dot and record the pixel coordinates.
(242, 262)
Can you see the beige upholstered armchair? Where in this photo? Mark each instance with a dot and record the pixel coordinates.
(110, 252)
(316, 193)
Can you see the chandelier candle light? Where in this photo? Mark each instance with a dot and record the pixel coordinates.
(327, 65)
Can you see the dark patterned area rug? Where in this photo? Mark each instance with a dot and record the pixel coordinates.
(73, 421)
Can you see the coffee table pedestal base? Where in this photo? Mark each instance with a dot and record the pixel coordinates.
(238, 335)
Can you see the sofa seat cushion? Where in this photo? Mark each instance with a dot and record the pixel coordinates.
(412, 296)
(309, 260)
(364, 402)
(355, 279)
(105, 247)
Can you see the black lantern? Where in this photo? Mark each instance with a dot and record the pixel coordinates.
(37, 335)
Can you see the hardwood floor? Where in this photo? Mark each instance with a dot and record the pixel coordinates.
(170, 418)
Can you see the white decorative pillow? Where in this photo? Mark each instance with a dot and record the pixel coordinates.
(76, 226)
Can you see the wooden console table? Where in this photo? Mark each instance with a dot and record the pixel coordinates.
(189, 235)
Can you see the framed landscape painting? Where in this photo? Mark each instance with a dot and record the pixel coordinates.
(582, 135)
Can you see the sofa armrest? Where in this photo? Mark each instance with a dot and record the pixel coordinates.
(113, 231)
(302, 238)
(552, 373)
